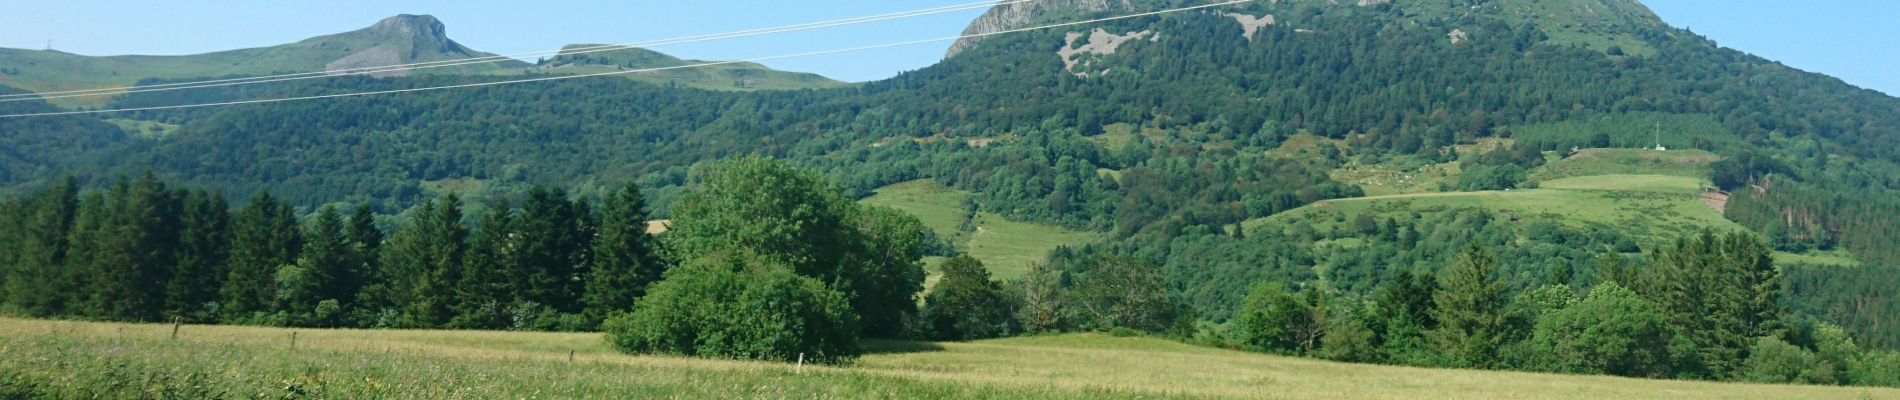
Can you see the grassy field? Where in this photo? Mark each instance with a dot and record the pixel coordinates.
(725, 77)
(1592, 162)
(1631, 183)
(940, 208)
(1650, 208)
(1653, 207)
(1006, 247)
(1386, 179)
(92, 360)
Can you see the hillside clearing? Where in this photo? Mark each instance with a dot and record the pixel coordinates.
(1007, 248)
(1594, 162)
(228, 361)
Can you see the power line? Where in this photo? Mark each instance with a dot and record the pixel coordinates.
(489, 59)
(708, 64)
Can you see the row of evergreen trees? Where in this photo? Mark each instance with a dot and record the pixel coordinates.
(1707, 307)
(142, 250)
(765, 262)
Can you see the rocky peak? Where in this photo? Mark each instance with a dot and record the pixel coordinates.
(1016, 15)
(425, 32)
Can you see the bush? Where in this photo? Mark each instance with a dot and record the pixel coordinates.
(726, 306)
(1276, 320)
(1880, 368)
(1613, 331)
(1487, 177)
(1771, 360)
(966, 304)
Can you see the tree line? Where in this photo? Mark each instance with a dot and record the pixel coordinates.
(144, 250)
(1707, 307)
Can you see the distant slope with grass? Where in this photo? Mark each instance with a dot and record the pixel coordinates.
(742, 76)
(402, 39)
(1590, 162)
(1650, 209)
(102, 360)
(1006, 247)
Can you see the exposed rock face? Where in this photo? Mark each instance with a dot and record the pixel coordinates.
(1458, 36)
(424, 33)
(1250, 24)
(1099, 42)
(1017, 15)
(399, 40)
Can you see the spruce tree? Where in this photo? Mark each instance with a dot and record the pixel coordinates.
(1472, 311)
(204, 247)
(264, 238)
(486, 283)
(624, 263)
(137, 252)
(38, 275)
(553, 249)
(88, 249)
(1721, 292)
(426, 255)
(366, 243)
(322, 272)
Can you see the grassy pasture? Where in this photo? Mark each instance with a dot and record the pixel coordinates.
(1658, 207)
(1006, 247)
(1593, 162)
(1651, 208)
(82, 359)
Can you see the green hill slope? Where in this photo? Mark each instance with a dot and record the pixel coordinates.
(1008, 248)
(401, 39)
(735, 76)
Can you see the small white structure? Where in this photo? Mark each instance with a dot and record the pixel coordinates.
(1659, 146)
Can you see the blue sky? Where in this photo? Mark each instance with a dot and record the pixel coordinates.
(1856, 40)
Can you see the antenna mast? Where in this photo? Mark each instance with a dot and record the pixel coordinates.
(1659, 146)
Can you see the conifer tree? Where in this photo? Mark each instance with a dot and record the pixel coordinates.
(1721, 292)
(322, 272)
(204, 248)
(486, 283)
(137, 252)
(624, 263)
(366, 243)
(264, 238)
(1472, 311)
(553, 249)
(427, 256)
(37, 273)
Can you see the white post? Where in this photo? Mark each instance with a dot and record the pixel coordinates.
(801, 364)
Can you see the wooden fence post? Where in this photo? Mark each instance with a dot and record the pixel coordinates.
(175, 322)
(293, 340)
(570, 356)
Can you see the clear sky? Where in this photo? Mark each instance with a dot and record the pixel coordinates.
(1855, 40)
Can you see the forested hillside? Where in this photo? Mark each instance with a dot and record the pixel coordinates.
(1202, 146)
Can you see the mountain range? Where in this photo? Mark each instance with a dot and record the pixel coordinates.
(399, 40)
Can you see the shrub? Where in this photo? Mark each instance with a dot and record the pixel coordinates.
(967, 304)
(1879, 368)
(1613, 331)
(727, 306)
(1771, 360)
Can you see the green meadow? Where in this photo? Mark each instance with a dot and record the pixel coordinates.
(1008, 248)
(57, 359)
